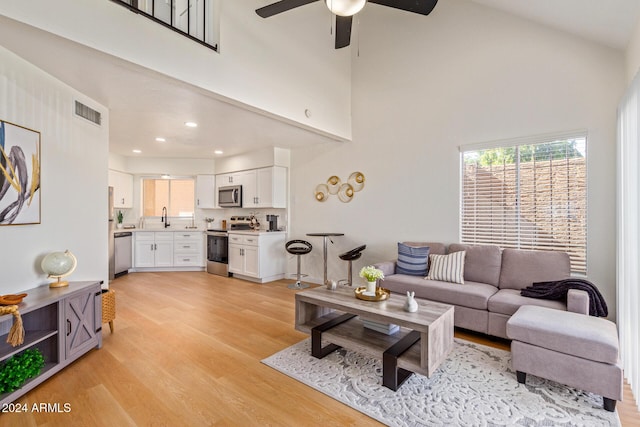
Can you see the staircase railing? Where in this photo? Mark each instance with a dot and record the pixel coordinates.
(194, 19)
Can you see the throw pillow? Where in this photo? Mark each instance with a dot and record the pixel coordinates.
(412, 260)
(448, 268)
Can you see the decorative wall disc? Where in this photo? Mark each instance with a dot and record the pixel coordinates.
(356, 180)
(345, 194)
(322, 192)
(334, 184)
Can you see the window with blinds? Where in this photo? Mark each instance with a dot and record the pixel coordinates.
(528, 194)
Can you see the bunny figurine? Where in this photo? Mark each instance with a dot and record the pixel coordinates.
(411, 305)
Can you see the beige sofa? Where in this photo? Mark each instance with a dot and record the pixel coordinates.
(493, 278)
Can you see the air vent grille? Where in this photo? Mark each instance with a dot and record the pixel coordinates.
(88, 113)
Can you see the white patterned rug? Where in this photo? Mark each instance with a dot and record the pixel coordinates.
(475, 386)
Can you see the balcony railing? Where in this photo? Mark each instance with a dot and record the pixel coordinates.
(194, 19)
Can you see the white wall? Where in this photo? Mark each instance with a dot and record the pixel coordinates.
(281, 65)
(633, 54)
(422, 86)
(73, 178)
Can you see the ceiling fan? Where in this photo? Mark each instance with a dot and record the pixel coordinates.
(345, 9)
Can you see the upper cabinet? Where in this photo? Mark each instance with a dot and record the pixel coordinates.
(265, 188)
(225, 179)
(122, 184)
(261, 188)
(206, 191)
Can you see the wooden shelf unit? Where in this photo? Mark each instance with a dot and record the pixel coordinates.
(63, 323)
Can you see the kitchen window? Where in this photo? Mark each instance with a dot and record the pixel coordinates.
(176, 194)
(527, 194)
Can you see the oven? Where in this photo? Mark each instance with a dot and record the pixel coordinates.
(218, 252)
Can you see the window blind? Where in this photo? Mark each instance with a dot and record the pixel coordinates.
(528, 196)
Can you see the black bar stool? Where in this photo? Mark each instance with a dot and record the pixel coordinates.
(298, 248)
(351, 256)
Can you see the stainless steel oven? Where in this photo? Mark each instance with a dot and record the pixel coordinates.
(218, 252)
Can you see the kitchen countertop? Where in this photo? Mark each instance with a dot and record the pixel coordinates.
(253, 233)
(168, 229)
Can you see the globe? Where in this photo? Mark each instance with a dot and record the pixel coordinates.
(58, 265)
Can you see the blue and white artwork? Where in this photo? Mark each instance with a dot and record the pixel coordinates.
(19, 175)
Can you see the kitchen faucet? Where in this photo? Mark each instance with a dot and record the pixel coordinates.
(165, 218)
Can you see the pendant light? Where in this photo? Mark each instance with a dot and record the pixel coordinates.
(345, 7)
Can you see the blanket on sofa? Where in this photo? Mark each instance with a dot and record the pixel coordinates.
(557, 290)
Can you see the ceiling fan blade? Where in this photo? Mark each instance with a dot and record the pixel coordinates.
(423, 7)
(281, 6)
(343, 31)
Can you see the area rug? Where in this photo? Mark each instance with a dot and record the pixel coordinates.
(475, 386)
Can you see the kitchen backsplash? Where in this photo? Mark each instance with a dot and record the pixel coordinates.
(199, 221)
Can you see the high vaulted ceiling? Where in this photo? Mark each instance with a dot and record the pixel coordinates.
(144, 104)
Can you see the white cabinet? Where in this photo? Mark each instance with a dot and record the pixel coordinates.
(225, 179)
(188, 249)
(153, 249)
(258, 257)
(122, 184)
(264, 188)
(169, 250)
(243, 256)
(205, 191)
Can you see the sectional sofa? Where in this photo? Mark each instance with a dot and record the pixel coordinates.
(493, 279)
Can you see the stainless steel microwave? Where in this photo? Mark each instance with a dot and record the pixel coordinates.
(230, 197)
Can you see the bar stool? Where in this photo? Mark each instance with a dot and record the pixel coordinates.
(298, 248)
(351, 256)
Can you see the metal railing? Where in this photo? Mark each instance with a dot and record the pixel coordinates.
(193, 19)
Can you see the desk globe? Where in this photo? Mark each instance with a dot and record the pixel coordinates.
(59, 265)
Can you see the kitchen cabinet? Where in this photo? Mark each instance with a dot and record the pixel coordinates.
(244, 260)
(122, 184)
(188, 249)
(169, 250)
(206, 191)
(153, 249)
(225, 179)
(257, 256)
(63, 324)
(264, 188)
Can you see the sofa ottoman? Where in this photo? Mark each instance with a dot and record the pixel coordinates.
(570, 348)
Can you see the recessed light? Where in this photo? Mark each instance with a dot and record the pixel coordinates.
(191, 124)
(159, 139)
(218, 152)
(137, 151)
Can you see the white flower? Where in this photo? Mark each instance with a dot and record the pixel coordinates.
(371, 273)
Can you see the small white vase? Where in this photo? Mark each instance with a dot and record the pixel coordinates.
(119, 225)
(371, 287)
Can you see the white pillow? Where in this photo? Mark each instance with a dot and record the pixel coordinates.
(447, 268)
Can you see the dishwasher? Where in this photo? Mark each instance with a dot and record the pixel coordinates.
(122, 252)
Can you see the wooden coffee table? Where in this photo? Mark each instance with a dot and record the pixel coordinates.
(423, 342)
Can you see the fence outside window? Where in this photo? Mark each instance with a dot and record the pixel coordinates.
(527, 194)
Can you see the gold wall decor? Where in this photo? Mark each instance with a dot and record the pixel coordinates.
(344, 190)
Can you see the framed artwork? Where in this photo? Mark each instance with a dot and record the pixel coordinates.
(19, 175)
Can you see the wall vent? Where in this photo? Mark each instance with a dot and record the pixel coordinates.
(88, 113)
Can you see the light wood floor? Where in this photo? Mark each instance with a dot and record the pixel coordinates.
(186, 352)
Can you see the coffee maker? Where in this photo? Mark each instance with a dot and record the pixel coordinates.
(273, 222)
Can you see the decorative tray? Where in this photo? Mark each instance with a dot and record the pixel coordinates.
(381, 294)
(11, 299)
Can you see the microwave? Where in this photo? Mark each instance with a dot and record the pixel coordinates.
(230, 197)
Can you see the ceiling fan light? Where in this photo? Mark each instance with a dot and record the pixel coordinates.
(345, 7)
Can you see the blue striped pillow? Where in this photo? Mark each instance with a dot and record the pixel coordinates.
(412, 260)
(447, 268)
